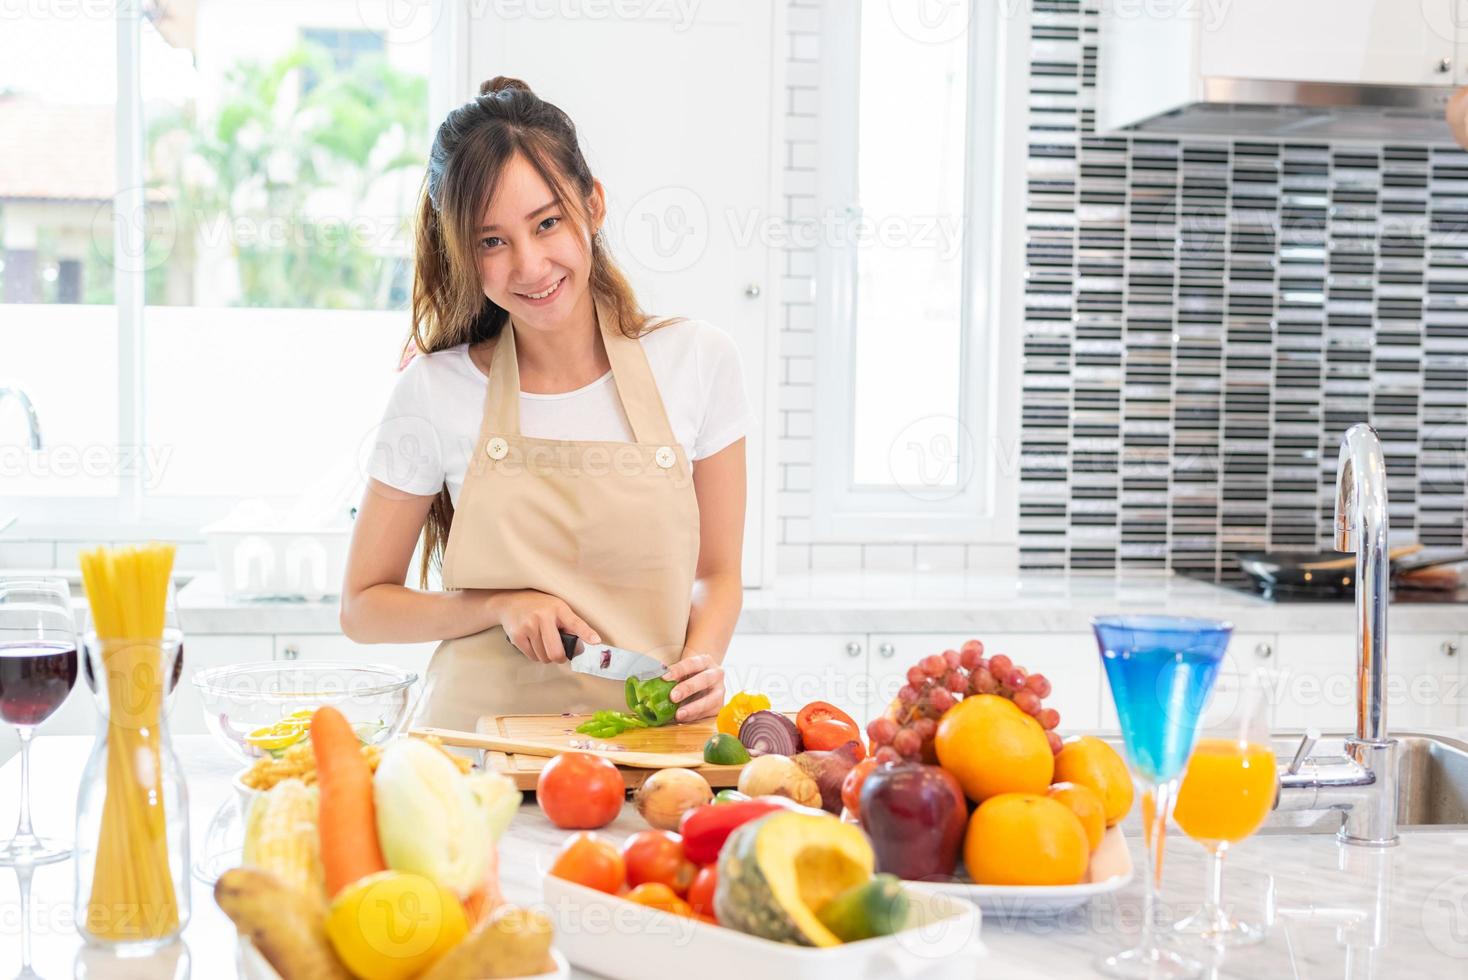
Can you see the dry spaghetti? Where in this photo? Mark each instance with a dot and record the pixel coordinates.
(132, 896)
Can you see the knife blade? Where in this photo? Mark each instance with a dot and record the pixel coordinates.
(612, 663)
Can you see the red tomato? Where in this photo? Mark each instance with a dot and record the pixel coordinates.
(824, 726)
(590, 860)
(656, 856)
(851, 785)
(829, 733)
(701, 892)
(817, 710)
(577, 791)
(656, 895)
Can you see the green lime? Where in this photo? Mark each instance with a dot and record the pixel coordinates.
(725, 750)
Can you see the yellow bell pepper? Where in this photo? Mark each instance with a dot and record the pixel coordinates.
(740, 707)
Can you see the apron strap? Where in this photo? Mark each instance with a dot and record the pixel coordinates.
(636, 385)
(631, 374)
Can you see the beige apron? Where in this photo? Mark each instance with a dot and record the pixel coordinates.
(611, 528)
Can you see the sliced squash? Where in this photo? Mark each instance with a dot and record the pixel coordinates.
(776, 874)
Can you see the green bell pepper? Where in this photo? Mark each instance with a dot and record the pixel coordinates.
(650, 700)
(608, 724)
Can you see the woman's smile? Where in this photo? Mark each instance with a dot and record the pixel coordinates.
(544, 296)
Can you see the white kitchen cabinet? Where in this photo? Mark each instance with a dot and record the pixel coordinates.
(796, 668)
(1424, 681)
(335, 646)
(1246, 651)
(1425, 685)
(1068, 660)
(1365, 42)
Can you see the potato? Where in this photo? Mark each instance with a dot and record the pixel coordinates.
(514, 942)
(284, 925)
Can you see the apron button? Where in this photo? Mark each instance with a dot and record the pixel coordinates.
(664, 457)
(497, 448)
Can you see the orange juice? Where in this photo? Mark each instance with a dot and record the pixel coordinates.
(1227, 791)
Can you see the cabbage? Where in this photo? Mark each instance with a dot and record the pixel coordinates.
(436, 821)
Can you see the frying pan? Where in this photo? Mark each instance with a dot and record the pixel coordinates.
(1329, 572)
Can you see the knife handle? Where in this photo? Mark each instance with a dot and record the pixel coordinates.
(569, 642)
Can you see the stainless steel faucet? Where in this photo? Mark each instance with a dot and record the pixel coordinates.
(32, 422)
(1361, 782)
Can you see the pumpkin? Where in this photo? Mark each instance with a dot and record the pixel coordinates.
(776, 873)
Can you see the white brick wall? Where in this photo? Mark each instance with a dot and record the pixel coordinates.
(20, 552)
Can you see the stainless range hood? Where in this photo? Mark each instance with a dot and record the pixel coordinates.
(1333, 70)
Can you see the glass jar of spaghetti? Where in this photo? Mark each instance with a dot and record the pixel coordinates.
(132, 829)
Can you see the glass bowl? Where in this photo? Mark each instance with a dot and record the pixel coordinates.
(274, 700)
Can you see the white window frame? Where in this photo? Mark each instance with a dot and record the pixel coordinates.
(983, 510)
(131, 512)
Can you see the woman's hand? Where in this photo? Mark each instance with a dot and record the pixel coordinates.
(701, 691)
(534, 621)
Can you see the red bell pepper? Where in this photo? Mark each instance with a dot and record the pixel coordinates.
(705, 828)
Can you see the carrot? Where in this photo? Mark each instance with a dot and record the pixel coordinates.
(487, 897)
(346, 816)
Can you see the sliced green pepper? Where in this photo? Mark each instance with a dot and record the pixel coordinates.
(650, 699)
(606, 724)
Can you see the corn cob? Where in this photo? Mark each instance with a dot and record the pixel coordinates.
(281, 837)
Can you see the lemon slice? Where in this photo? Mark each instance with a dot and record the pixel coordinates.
(280, 735)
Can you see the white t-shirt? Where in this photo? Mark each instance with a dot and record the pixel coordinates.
(433, 415)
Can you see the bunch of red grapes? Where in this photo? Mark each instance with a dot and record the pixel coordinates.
(938, 682)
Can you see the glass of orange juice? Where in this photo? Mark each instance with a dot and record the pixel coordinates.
(1227, 791)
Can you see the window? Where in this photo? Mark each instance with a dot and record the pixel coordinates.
(231, 299)
(904, 311)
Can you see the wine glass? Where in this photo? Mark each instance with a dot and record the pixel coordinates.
(1227, 792)
(37, 671)
(1161, 669)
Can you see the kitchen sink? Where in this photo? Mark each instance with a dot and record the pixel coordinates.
(1432, 785)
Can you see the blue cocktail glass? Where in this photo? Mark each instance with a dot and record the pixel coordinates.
(1161, 669)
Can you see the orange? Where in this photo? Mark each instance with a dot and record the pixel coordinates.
(992, 747)
(1025, 839)
(1087, 760)
(1085, 803)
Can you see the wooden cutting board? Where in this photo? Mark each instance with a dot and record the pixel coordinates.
(560, 730)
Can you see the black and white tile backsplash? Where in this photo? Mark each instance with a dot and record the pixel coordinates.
(1203, 320)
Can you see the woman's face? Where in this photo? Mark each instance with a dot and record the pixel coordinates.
(533, 260)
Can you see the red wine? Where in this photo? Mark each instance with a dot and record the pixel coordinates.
(35, 677)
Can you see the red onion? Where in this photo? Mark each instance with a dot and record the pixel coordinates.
(770, 733)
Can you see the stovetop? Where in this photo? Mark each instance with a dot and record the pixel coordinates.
(1400, 596)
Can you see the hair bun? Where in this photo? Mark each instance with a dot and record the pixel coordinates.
(501, 83)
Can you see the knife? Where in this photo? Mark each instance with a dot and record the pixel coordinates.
(609, 662)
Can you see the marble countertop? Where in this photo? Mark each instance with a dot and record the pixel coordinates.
(1333, 911)
(911, 602)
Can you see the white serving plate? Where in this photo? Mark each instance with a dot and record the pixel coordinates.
(1111, 869)
(254, 966)
(616, 938)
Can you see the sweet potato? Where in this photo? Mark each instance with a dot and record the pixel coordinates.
(285, 925)
(514, 942)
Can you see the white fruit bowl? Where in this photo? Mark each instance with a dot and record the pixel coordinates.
(1110, 870)
(613, 937)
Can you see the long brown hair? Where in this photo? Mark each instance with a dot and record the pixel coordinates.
(470, 152)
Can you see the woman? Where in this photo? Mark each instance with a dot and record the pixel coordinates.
(572, 466)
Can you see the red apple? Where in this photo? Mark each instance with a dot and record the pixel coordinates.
(915, 816)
